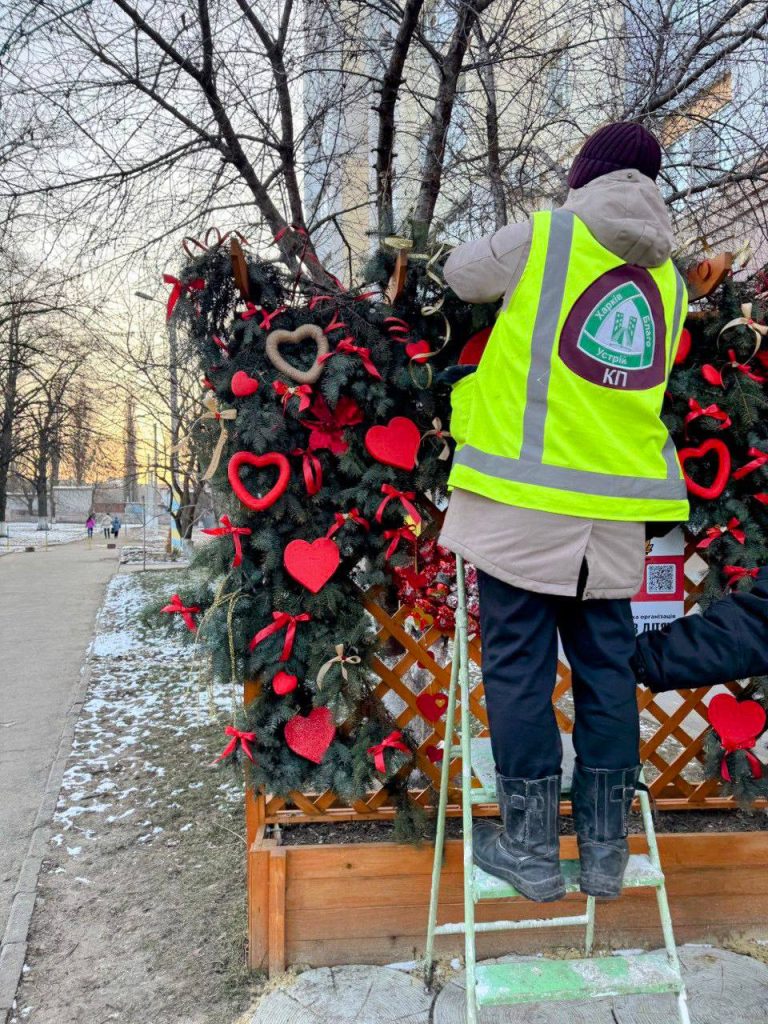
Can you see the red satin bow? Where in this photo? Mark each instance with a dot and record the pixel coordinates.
(281, 620)
(714, 532)
(713, 410)
(238, 736)
(759, 459)
(312, 470)
(301, 391)
(340, 518)
(177, 607)
(397, 327)
(335, 324)
(730, 746)
(395, 536)
(734, 573)
(392, 742)
(404, 497)
(347, 347)
(236, 533)
(179, 288)
(265, 323)
(317, 299)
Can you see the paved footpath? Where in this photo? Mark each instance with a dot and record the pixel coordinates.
(48, 605)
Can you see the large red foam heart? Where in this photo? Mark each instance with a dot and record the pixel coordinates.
(418, 350)
(736, 721)
(242, 385)
(395, 444)
(684, 348)
(310, 737)
(432, 705)
(716, 488)
(240, 459)
(312, 565)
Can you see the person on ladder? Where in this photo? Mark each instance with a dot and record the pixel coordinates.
(561, 460)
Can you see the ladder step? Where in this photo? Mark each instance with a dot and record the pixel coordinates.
(640, 873)
(542, 980)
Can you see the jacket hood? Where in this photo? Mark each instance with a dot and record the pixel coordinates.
(626, 214)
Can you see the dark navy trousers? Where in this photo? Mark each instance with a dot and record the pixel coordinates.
(519, 634)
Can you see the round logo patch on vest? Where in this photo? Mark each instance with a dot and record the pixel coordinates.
(614, 335)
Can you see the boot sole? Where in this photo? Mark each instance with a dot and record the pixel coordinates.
(520, 884)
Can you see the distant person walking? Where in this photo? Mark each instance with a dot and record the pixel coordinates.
(116, 524)
(90, 523)
(106, 525)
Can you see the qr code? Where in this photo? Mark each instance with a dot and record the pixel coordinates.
(660, 578)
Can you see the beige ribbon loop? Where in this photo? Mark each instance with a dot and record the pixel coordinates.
(340, 659)
(432, 309)
(212, 412)
(441, 435)
(745, 320)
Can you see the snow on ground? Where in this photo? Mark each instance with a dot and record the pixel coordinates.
(22, 535)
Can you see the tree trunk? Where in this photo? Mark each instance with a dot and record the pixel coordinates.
(41, 491)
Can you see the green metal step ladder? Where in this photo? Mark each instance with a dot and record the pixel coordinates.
(536, 980)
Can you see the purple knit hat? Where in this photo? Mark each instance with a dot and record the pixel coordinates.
(616, 147)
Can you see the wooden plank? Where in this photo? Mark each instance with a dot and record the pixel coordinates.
(258, 909)
(276, 899)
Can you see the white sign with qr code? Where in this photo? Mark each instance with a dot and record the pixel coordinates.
(661, 599)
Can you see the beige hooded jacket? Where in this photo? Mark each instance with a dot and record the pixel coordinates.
(540, 551)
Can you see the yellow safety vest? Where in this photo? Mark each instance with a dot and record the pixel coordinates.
(563, 413)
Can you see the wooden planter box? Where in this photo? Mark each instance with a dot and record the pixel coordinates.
(368, 902)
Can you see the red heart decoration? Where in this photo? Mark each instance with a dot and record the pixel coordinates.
(312, 564)
(435, 754)
(684, 348)
(736, 721)
(242, 385)
(249, 459)
(396, 444)
(717, 486)
(310, 737)
(284, 683)
(418, 350)
(432, 705)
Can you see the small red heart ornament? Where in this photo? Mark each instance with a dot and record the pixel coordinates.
(242, 385)
(684, 348)
(435, 754)
(284, 682)
(716, 488)
(312, 564)
(736, 721)
(418, 350)
(240, 459)
(395, 444)
(432, 705)
(310, 737)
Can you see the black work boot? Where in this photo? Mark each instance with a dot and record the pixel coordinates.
(525, 849)
(601, 802)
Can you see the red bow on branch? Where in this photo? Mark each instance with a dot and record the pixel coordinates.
(317, 299)
(340, 518)
(730, 747)
(348, 347)
(327, 429)
(236, 532)
(301, 391)
(714, 411)
(180, 288)
(714, 532)
(404, 497)
(311, 468)
(392, 742)
(281, 620)
(395, 536)
(335, 324)
(221, 344)
(734, 573)
(266, 318)
(758, 459)
(397, 328)
(244, 739)
(177, 607)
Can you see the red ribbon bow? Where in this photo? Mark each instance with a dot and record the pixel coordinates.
(335, 324)
(266, 318)
(238, 737)
(179, 288)
(221, 344)
(301, 391)
(404, 497)
(312, 470)
(236, 533)
(397, 327)
(347, 347)
(392, 742)
(734, 573)
(281, 620)
(730, 746)
(759, 459)
(714, 532)
(340, 518)
(714, 410)
(395, 536)
(177, 607)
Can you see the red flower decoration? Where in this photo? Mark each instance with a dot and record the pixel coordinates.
(327, 428)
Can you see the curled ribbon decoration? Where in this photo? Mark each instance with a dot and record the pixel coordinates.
(441, 435)
(340, 659)
(311, 468)
(236, 532)
(340, 518)
(746, 320)
(301, 391)
(404, 497)
(395, 536)
(735, 573)
(243, 739)
(212, 237)
(392, 742)
(759, 459)
(714, 411)
(212, 412)
(177, 607)
(432, 309)
(265, 324)
(281, 620)
(348, 347)
(180, 288)
(715, 532)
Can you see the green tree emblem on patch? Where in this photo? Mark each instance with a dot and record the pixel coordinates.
(619, 331)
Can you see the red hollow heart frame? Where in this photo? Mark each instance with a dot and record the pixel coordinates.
(240, 459)
(716, 488)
